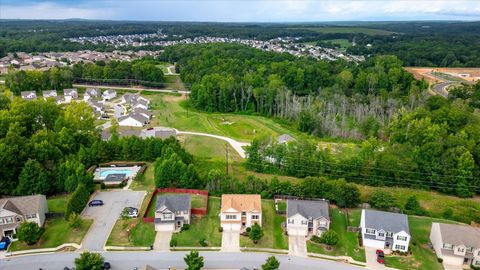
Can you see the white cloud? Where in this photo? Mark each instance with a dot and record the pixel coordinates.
(51, 10)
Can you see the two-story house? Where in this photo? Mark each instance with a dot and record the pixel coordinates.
(15, 210)
(49, 94)
(172, 211)
(92, 93)
(239, 211)
(457, 245)
(69, 94)
(28, 95)
(109, 94)
(385, 230)
(306, 217)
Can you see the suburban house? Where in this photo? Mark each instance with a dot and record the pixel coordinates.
(172, 211)
(49, 94)
(98, 108)
(385, 230)
(132, 99)
(69, 94)
(143, 112)
(109, 94)
(133, 120)
(240, 211)
(140, 104)
(91, 93)
(28, 95)
(285, 138)
(158, 132)
(306, 217)
(457, 245)
(15, 210)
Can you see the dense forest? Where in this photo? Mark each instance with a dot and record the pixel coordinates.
(325, 98)
(142, 71)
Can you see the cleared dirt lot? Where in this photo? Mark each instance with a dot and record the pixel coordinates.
(467, 74)
(105, 216)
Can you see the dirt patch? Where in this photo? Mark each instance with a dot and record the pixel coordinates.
(173, 98)
(467, 74)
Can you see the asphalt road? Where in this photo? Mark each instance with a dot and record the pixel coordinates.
(163, 260)
(105, 216)
(441, 89)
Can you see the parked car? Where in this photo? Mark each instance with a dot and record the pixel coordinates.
(130, 212)
(95, 203)
(4, 243)
(380, 256)
(106, 265)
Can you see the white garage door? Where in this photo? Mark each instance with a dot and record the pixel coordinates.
(295, 231)
(373, 243)
(162, 227)
(450, 260)
(231, 226)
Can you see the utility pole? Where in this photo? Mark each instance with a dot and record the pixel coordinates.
(226, 148)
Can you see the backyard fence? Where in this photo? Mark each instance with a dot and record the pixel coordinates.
(201, 211)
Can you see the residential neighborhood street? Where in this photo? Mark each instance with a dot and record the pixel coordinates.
(105, 216)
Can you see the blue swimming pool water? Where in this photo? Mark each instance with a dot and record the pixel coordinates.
(125, 171)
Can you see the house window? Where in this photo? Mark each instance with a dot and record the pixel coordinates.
(401, 238)
(167, 216)
(255, 217)
(31, 216)
(369, 231)
(381, 234)
(461, 250)
(244, 214)
(230, 216)
(447, 246)
(19, 219)
(322, 223)
(304, 222)
(470, 249)
(291, 221)
(477, 262)
(389, 234)
(7, 220)
(399, 247)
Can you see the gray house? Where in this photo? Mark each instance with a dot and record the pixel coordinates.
(16, 210)
(306, 217)
(172, 211)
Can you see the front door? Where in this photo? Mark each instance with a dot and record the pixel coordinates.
(387, 244)
(466, 261)
(9, 233)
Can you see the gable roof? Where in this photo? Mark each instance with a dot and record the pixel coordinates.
(387, 221)
(28, 94)
(460, 235)
(308, 208)
(242, 202)
(180, 202)
(136, 116)
(49, 93)
(70, 91)
(24, 204)
(285, 138)
(142, 111)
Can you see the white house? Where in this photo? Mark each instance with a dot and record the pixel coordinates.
(172, 211)
(385, 230)
(457, 245)
(306, 217)
(98, 108)
(133, 120)
(69, 94)
(16, 210)
(49, 94)
(143, 112)
(91, 93)
(240, 211)
(28, 95)
(109, 94)
(140, 104)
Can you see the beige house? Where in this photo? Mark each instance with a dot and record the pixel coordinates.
(172, 211)
(457, 245)
(239, 211)
(16, 210)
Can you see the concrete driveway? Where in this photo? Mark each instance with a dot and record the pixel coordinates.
(104, 217)
(162, 241)
(297, 245)
(371, 256)
(230, 241)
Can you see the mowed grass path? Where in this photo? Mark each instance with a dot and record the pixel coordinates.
(347, 243)
(206, 227)
(273, 236)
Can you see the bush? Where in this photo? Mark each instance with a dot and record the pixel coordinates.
(413, 207)
(329, 238)
(89, 261)
(74, 221)
(185, 227)
(255, 233)
(315, 239)
(440, 260)
(474, 267)
(29, 232)
(382, 200)
(103, 186)
(248, 229)
(203, 242)
(78, 200)
(220, 229)
(173, 242)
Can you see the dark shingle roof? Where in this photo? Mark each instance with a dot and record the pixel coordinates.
(387, 221)
(174, 203)
(24, 204)
(307, 209)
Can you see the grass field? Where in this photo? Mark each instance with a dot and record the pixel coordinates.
(347, 30)
(203, 228)
(57, 232)
(131, 232)
(348, 241)
(273, 236)
(57, 204)
(422, 258)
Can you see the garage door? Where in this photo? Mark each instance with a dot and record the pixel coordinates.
(450, 260)
(162, 227)
(299, 232)
(231, 226)
(373, 243)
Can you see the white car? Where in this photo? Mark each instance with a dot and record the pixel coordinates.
(130, 212)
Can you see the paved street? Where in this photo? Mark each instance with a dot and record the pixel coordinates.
(105, 216)
(163, 260)
(297, 245)
(230, 241)
(162, 241)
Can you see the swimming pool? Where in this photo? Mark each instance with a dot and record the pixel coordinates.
(128, 172)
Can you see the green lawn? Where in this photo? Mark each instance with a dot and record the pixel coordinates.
(273, 236)
(423, 258)
(145, 181)
(205, 227)
(57, 204)
(57, 232)
(198, 201)
(282, 206)
(348, 241)
(343, 43)
(131, 232)
(354, 216)
(348, 30)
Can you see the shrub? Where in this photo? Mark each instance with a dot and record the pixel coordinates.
(78, 200)
(382, 200)
(255, 233)
(203, 242)
(315, 239)
(103, 186)
(474, 267)
(248, 229)
(329, 237)
(173, 242)
(74, 221)
(413, 207)
(220, 229)
(29, 232)
(185, 227)
(89, 261)
(271, 264)
(440, 260)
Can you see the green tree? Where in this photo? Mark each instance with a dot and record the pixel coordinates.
(382, 200)
(255, 233)
(413, 207)
(193, 260)
(89, 261)
(329, 237)
(78, 200)
(74, 221)
(465, 166)
(29, 232)
(33, 179)
(271, 264)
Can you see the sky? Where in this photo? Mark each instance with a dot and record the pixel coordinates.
(242, 11)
